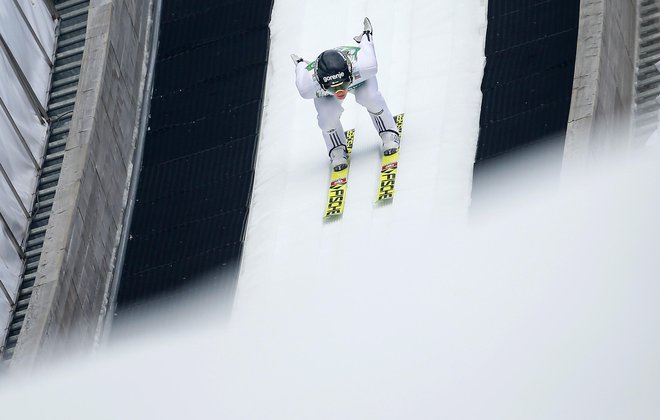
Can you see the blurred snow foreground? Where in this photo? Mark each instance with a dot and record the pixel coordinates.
(546, 308)
(542, 306)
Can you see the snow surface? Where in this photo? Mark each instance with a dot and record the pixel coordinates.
(543, 307)
(431, 60)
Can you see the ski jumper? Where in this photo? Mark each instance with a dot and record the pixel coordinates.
(364, 86)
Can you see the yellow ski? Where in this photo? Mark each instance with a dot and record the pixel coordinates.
(339, 183)
(388, 169)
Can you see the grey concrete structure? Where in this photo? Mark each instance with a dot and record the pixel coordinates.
(75, 271)
(647, 82)
(603, 87)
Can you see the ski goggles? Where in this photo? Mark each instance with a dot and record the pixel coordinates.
(338, 87)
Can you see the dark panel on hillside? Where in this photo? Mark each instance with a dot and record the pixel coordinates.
(528, 79)
(198, 167)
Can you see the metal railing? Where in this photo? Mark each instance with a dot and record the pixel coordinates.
(24, 119)
(647, 84)
(63, 90)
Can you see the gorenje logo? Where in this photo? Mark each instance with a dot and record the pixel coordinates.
(339, 75)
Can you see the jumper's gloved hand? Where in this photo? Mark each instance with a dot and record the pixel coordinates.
(368, 31)
(296, 59)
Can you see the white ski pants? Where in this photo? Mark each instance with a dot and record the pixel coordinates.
(329, 111)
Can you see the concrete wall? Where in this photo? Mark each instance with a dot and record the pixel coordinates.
(75, 270)
(603, 86)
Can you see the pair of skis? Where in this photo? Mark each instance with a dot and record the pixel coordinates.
(339, 180)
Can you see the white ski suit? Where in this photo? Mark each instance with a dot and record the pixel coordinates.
(364, 86)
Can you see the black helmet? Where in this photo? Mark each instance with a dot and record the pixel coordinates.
(333, 70)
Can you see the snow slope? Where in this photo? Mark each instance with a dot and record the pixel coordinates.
(543, 308)
(431, 59)
(510, 319)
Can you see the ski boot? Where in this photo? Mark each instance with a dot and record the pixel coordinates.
(390, 142)
(339, 158)
(368, 31)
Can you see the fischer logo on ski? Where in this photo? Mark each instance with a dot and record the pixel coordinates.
(335, 202)
(386, 189)
(339, 184)
(388, 169)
